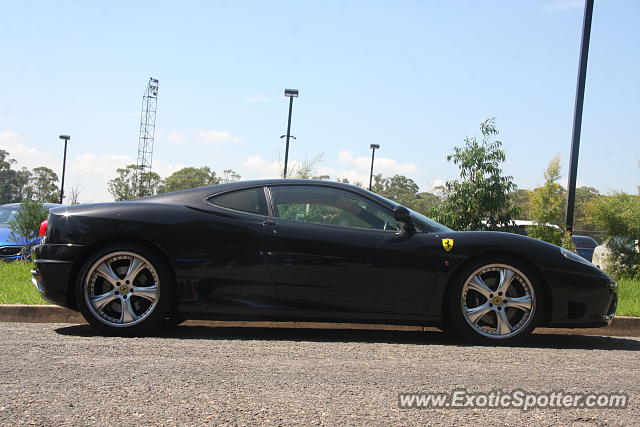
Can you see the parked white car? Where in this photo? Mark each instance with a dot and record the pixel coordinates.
(602, 253)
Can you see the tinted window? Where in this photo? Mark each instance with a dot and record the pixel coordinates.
(331, 206)
(250, 200)
(584, 241)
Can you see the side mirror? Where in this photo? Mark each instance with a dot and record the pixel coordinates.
(403, 216)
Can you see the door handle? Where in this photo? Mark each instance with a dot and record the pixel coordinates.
(269, 222)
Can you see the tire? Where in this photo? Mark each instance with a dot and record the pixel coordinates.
(125, 289)
(495, 301)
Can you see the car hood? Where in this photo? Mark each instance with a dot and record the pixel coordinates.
(544, 255)
(6, 237)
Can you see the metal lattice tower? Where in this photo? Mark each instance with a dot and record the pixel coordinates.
(147, 131)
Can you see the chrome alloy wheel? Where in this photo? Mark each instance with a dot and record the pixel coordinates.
(121, 289)
(498, 301)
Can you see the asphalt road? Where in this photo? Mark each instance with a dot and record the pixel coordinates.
(54, 374)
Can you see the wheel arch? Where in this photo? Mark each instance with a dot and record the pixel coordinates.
(111, 240)
(459, 269)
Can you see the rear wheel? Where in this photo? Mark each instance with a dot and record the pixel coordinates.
(496, 301)
(125, 290)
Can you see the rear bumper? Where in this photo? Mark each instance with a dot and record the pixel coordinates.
(52, 276)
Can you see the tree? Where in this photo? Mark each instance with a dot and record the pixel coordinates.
(546, 206)
(189, 177)
(26, 224)
(8, 184)
(23, 190)
(404, 190)
(124, 185)
(229, 175)
(425, 202)
(43, 184)
(74, 194)
(585, 196)
(547, 209)
(398, 188)
(521, 198)
(306, 169)
(618, 215)
(481, 199)
(547, 201)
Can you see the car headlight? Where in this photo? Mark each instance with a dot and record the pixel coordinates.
(574, 257)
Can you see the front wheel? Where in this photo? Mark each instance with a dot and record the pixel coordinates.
(125, 290)
(496, 302)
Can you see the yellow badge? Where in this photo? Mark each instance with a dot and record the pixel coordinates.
(447, 244)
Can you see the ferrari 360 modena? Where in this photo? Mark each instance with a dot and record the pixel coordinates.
(303, 250)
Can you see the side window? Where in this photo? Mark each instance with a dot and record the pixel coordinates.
(330, 206)
(250, 200)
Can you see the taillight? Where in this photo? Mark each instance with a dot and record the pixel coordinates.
(43, 228)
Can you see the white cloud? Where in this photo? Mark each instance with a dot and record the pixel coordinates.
(382, 165)
(175, 137)
(90, 172)
(256, 167)
(29, 157)
(92, 163)
(261, 168)
(562, 5)
(215, 136)
(165, 169)
(437, 183)
(94, 171)
(354, 177)
(435, 186)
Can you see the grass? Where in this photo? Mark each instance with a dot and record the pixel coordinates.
(16, 288)
(15, 284)
(628, 297)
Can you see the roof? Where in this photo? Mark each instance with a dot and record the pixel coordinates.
(204, 192)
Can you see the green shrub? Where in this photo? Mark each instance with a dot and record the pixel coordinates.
(25, 226)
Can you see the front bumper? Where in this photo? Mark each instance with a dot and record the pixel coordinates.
(11, 253)
(582, 300)
(53, 275)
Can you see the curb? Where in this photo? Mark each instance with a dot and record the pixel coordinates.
(622, 326)
(38, 314)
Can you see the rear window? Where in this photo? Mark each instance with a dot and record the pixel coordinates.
(250, 200)
(584, 241)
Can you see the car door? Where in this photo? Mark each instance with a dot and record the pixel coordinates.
(335, 251)
(228, 270)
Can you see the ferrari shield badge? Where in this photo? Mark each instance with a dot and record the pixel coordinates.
(447, 244)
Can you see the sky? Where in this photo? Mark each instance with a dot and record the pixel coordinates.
(416, 77)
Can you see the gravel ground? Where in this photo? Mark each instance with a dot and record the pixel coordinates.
(60, 374)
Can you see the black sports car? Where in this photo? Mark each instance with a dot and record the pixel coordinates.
(307, 250)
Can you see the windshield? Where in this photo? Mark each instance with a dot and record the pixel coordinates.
(7, 214)
(421, 219)
(436, 226)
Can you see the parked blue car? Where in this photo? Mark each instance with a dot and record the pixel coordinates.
(10, 249)
(584, 246)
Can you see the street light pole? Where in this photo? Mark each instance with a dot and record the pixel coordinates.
(290, 93)
(373, 147)
(577, 114)
(64, 165)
